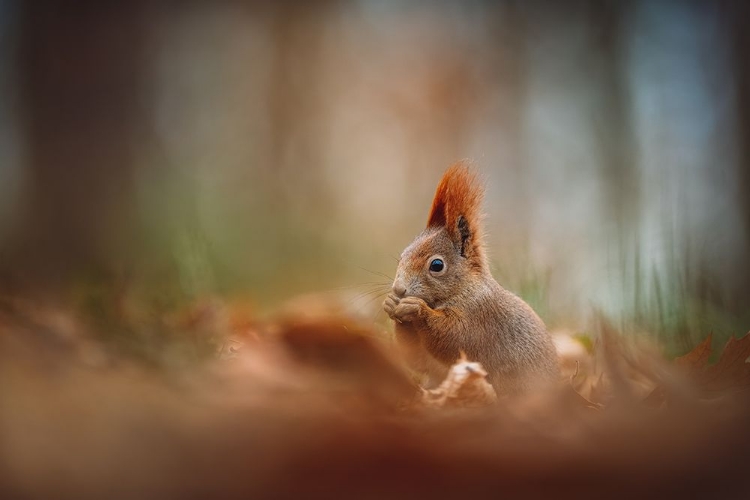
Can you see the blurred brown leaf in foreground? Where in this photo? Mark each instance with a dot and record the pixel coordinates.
(730, 372)
(465, 386)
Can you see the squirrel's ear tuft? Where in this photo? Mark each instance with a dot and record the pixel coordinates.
(457, 207)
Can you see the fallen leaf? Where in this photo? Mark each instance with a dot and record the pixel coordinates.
(465, 386)
(731, 372)
(698, 357)
(732, 369)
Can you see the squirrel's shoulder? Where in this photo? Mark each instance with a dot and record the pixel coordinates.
(488, 300)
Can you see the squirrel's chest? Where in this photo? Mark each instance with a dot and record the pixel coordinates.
(443, 344)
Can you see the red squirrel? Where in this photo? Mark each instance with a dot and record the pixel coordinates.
(445, 302)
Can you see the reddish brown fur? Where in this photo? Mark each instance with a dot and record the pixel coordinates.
(460, 193)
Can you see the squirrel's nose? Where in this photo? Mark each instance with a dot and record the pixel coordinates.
(399, 288)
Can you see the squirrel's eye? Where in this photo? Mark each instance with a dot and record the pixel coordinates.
(437, 265)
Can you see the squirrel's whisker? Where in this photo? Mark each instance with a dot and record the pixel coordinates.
(374, 298)
(370, 301)
(363, 295)
(376, 273)
(369, 283)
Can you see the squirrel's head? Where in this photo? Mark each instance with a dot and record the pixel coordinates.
(449, 253)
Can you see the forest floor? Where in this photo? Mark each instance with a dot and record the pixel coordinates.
(214, 402)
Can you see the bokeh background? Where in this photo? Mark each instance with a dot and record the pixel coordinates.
(270, 149)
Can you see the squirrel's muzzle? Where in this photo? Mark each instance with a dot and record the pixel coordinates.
(399, 288)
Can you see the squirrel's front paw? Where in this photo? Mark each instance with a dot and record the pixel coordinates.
(409, 309)
(389, 305)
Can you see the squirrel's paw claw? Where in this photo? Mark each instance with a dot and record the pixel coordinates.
(389, 305)
(409, 309)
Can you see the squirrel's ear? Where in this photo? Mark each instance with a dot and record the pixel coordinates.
(457, 207)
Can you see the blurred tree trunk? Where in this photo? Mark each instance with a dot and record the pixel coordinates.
(297, 106)
(510, 35)
(613, 126)
(614, 138)
(80, 69)
(737, 15)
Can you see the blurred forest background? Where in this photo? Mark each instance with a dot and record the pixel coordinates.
(267, 149)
